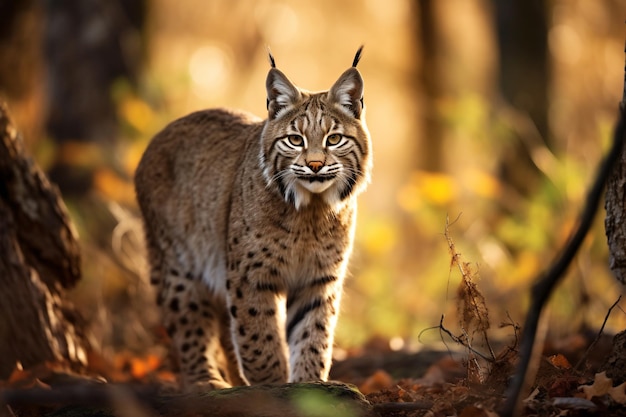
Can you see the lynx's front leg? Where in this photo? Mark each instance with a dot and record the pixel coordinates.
(311, 320)
(257, 309)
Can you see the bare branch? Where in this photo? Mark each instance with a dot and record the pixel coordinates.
(543, 287)
(593, 344)
(462, 343)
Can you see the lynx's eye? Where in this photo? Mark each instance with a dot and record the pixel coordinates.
(295, 140)
(333, 139)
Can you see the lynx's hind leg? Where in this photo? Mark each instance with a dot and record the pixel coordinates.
(232, 362)
(191, 314)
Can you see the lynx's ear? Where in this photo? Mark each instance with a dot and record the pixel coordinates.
(347, 92)
(281, 93)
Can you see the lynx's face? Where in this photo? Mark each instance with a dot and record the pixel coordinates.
(316, 143)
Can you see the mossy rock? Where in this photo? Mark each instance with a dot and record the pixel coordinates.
(318, 399)
(301, 399)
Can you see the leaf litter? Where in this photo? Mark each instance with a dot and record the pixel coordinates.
(469, 383)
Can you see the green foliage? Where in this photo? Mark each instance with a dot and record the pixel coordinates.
(318, 403)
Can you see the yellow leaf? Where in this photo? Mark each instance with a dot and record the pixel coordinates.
(482, 183)
(112, 186)
(431, 187)
(137, 113)
(132, 156)
(435, 187)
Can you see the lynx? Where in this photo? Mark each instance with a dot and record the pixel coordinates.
(249, 225)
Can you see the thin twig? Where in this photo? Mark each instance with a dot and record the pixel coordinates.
(462, 343)
(491, 352)
(445, 234)
(593, 344)
(542, 289)
(512, 348)
(473, 295)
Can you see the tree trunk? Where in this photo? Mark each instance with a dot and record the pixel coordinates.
(431, 152)
(39, 257)
(21, 65)
(522, 28)
(89, 47)
(615, 229)
(615, 222)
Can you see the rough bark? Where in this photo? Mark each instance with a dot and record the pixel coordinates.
(615, 229)
(615, 202)
(39, 257)
(615, 221)
(615, 364)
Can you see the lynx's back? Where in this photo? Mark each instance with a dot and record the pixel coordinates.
(249, 225)
(185, 180)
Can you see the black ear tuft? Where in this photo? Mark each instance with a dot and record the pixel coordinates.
(271, 57)
(357, 57)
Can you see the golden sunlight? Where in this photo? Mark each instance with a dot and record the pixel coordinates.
(209, 68)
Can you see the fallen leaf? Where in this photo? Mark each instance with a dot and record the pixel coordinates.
(532, 396)
(141, 367)
(473, 411)
(446, 369)
(18, 375)
(603, 385)
(38, 375)
(563, 386)
(378, 381)
(559, 361)
(618, 393)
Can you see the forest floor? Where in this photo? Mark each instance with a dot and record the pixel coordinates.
(394, 383)
(446, 384)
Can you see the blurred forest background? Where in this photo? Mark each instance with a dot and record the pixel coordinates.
(492, 113)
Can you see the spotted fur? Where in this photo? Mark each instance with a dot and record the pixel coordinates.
(249, 225)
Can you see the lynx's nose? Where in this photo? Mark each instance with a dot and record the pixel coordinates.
(315, 165)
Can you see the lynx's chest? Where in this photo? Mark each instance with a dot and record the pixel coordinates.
(290, 247)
